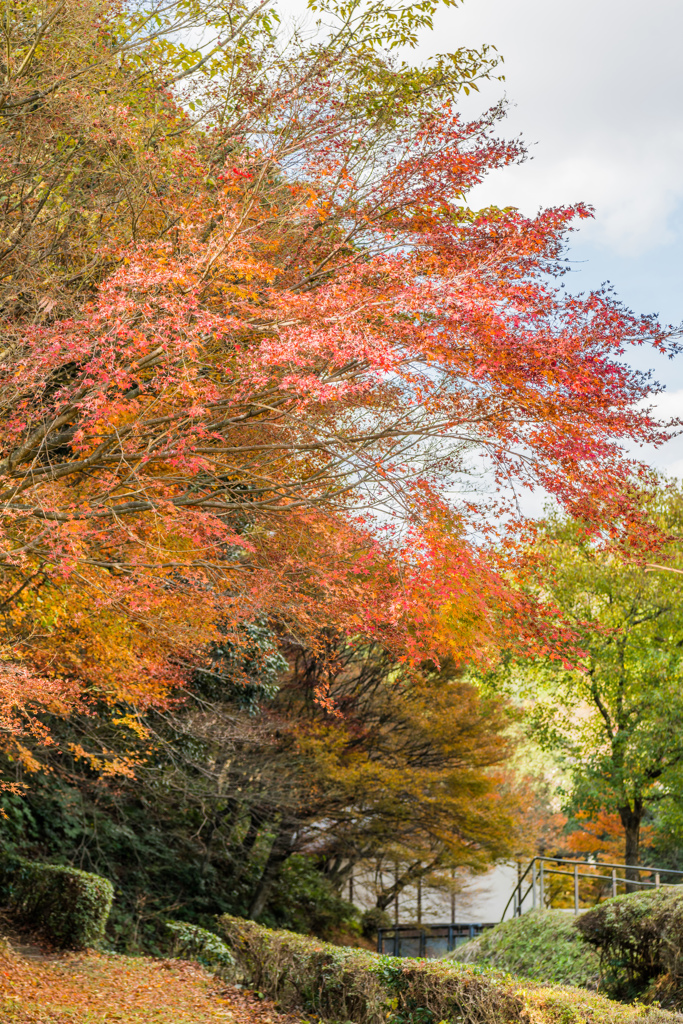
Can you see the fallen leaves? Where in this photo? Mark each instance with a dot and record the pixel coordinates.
(96, 988)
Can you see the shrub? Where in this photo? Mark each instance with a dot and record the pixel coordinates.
(372, 920)
(341, 984)
(66, 906)
(304, 901)
(544, 945)
(640, 938)
(190, 942)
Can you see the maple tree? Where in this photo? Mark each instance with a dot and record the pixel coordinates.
(255, 343)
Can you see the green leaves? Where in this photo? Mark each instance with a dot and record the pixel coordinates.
(611, 711)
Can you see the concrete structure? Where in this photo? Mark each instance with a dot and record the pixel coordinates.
(477, 898)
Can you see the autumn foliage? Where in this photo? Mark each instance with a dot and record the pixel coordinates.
(261, 359)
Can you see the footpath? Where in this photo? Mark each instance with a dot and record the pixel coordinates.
(103, 988)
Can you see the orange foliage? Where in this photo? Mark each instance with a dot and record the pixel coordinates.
(601, 835)
(279, 356)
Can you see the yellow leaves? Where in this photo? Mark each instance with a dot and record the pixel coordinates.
(75, 527)
(28, 762)
(104, 763)
(134, 724)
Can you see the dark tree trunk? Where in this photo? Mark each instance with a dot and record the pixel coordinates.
(279, 853)
(247, 844)
(387, 896)
(631, 818)
(243, 851)
(221, 818)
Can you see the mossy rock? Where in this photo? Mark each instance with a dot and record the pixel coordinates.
(544, 945)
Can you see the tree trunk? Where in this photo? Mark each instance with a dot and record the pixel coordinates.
(243, 851)
(219, 819)
(279, 853)
(631, 818)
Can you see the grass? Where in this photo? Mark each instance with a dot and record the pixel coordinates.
(543, 945)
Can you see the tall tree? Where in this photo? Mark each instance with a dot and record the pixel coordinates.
(238, 786)
(613, 712)
(269, 315)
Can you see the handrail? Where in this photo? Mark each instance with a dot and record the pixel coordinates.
(606, 864)
(520, 896)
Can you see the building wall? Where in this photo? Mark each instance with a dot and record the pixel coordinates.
(480, 898)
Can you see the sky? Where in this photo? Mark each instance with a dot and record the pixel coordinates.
(595, 87)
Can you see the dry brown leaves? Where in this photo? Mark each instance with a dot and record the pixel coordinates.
(104, 988)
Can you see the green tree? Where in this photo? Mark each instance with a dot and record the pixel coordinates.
(613, 714)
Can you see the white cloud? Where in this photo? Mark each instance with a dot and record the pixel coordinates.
(596, 88)
(669, 457)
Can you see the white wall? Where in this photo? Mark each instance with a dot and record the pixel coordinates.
(481, 898)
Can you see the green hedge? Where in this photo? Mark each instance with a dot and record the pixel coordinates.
(339, 984)
(640, 939)
(543, 945)
(190, 942)
(67, 907)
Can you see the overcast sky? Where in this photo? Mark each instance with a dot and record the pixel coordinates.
(596, 89)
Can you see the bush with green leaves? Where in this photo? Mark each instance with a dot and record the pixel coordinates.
(372, 920)
(340, 984)
(303, 900)
(640, 940)
(190, 942)
(544, 945)
(67, 907)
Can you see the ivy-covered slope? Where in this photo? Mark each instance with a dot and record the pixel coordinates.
(544, 945)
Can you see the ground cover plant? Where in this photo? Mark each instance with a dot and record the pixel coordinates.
(544, 945)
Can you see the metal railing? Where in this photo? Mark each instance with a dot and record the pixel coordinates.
(541, 867)
(432, 940)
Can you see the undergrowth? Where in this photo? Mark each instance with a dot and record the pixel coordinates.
(544, 945)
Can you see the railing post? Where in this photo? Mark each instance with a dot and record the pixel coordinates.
(533, 883)
(541, 886)
(614, 881)
(519, 888)
(657, 882)
(576, 888)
